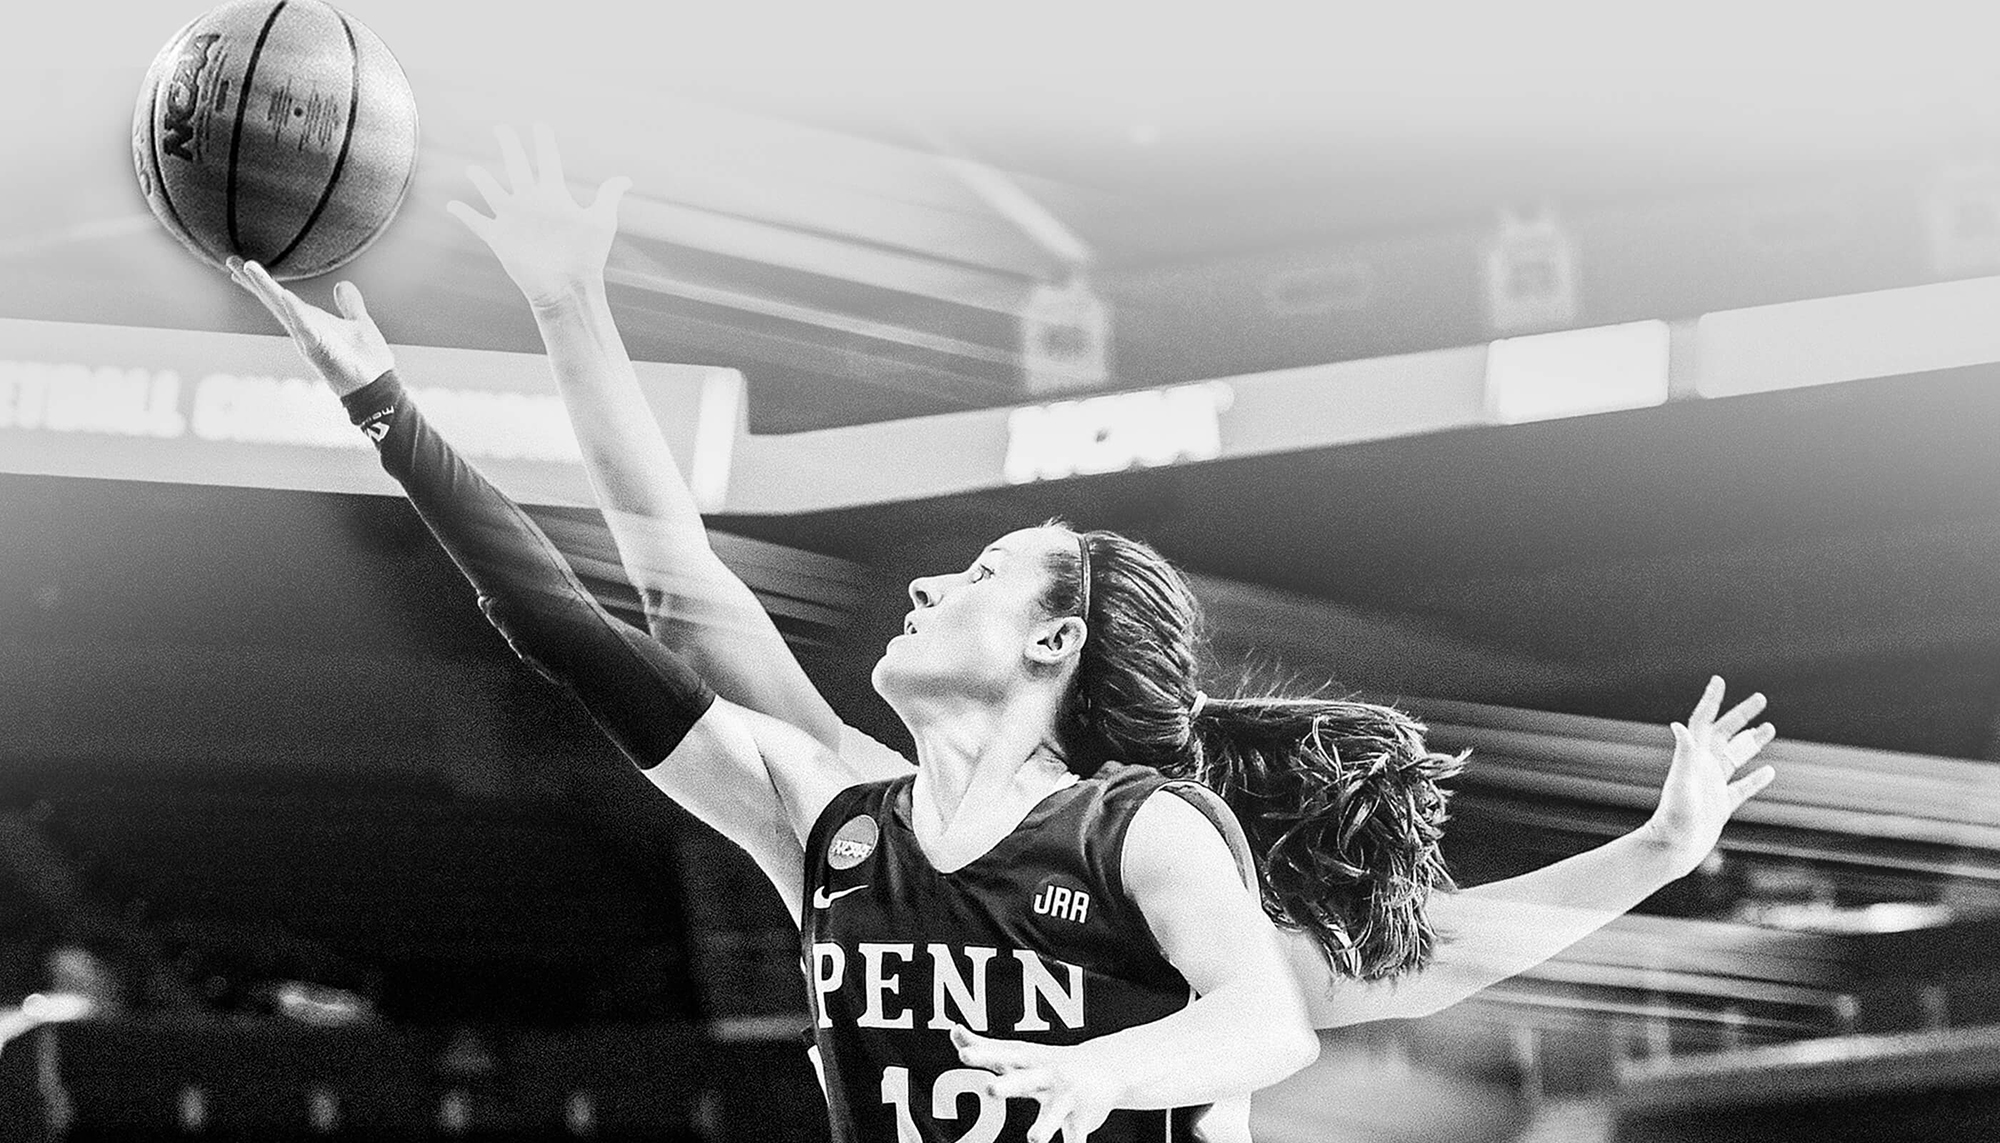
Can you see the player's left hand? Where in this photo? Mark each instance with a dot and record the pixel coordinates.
(549, 244)
(1075, 1097)
(347, 351)
(1702, 790)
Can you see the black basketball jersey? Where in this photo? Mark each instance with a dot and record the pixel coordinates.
(1035, 940)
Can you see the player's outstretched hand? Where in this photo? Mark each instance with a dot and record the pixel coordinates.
(1075, 1097)
(347, 350)
(548, 244)
(1702, 789)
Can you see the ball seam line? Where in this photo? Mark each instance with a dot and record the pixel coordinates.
(236, 135)
(346, 141)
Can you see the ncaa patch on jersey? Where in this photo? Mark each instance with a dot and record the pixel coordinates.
(853, 842)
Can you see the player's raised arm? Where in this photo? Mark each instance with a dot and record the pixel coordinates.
(757, 782)
(1503, 928)
(555, 251)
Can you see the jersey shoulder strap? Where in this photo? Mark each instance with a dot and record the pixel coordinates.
(1125, 788)
(1218, 813)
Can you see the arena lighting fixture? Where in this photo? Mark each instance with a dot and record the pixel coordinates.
(1576, 372)
(1531, 273)
(1881, 917)
(1065, 324)
(1962, 218)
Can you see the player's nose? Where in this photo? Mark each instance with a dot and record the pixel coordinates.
(925, 590)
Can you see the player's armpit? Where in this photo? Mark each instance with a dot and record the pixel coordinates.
(719, 773)
(805, 772)
(754, 773)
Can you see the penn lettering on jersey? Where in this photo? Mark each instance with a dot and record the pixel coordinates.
(1049, 992)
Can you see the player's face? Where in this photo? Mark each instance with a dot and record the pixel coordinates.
(972, 631)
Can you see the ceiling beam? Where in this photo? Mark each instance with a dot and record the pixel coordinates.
(754, 167)
(646, 216)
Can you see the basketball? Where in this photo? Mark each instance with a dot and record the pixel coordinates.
(282, 132)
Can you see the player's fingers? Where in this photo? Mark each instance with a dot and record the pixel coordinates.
(1077, 1127)
(489, 188)
(1704, 711)
(991, 1056)
(1746, 787)
(239, 273)
(265, 289)
(1739, 716)
(56, 1008)
(547, 157)
(1683, 740)
(1021, 1084)
(262, 283)
(977, 1051)
(285, 303)
(1746, 744)
(962, 1036)
(514, 159)
(347, 297)
(1050, 1118)
(610, 195)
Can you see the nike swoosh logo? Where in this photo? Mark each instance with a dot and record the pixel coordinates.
(821, 898)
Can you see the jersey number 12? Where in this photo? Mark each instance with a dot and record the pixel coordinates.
(951, 1087)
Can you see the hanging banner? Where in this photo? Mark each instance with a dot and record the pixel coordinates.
(242, 409)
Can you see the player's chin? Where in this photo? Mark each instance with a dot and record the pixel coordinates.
(902, 672)
(887, 675)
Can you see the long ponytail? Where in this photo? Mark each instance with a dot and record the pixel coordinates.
(1342, 804)
(1340, 799)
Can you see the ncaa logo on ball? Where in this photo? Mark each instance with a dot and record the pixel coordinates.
(184, 98)
(853, 842)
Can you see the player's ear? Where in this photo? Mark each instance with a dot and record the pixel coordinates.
(1057, 640)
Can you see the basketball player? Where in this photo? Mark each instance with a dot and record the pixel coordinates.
(997, 946)
(1354, 905)
(1359, 908)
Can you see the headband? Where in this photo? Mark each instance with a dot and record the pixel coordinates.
(1083, 577)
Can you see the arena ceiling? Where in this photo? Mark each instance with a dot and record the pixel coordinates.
(855, 203)
(852, 204)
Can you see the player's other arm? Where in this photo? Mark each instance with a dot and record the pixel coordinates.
(555, 251)
(1503, 928)
(1246, 1029)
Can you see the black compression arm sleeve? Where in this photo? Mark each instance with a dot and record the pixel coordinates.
(643, 696)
